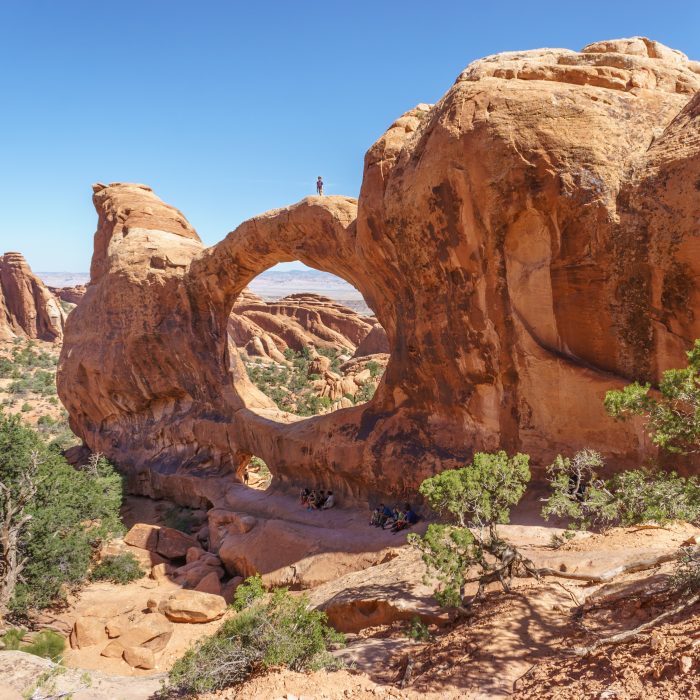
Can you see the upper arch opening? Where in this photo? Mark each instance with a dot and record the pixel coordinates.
(308, 341)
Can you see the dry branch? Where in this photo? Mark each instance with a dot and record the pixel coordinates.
(630, 634)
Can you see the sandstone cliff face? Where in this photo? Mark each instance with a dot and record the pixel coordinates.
(27, 308)
(527, 243)
(267, 329)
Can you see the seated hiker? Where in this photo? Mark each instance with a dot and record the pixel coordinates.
(396, 515)
(311, 500)
(411, 516)
(304, 496)
(375, 518)
(318, 500)
(329, 502)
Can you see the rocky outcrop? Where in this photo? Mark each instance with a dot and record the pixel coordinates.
(266, 329)
(71, 295)
(27, 308)
(527, 243)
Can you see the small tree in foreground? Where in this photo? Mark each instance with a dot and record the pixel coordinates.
(477, 498)
(673, 416)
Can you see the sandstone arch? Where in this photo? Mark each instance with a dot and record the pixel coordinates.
(527, 243)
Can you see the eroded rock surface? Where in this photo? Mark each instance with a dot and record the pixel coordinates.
(267, 328)
(527, 243)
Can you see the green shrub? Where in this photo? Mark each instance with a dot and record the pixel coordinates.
(72, 513)
(121, 568)
(12, 639)
(250, 590)
(476, 498)
(673, 418)
(46, 644)
(26, 407)
(418, 630)
(628, 498)
(281, 631)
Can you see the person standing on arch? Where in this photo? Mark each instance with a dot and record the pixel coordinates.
(319, 186)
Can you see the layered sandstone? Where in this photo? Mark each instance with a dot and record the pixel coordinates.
(527, 243)
(27, 308)
(266, 329)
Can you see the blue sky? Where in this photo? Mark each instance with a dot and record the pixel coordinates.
(228, 109)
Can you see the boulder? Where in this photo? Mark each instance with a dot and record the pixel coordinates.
(161, 572)
(139, 657)
(229, 588)
(143, 536)
(193, 606)
(114, 650)
(209, 584)
(87, 631)
(152, 631)
(193, 553)
(174, 544)
(114, 629)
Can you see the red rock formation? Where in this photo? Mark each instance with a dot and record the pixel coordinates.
(267, 329)
(27, 308)
(70, 294)
(527, 243)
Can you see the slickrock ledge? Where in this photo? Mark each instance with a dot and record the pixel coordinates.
(527, 243)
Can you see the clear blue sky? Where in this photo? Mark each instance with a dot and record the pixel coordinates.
(228, 109)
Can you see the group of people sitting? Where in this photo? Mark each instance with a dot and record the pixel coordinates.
(317, 500)
(394, 519)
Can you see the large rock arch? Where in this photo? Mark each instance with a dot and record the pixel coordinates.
(527, 243)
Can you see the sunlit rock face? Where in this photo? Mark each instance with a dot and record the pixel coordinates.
(28, 309)
(527, 243)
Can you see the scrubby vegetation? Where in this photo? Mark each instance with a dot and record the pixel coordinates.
(121, 568)
(476, 498)
(29, 374)
(292, 387)
(275, 630)
(53, 517)
(673, 413)
(46, 643)
(628, 498)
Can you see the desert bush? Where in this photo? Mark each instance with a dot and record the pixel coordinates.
(477, 498)
(375, 369)
(280, 631)
(672, 415)
(628, 498)
(121, 568)
(250, 590)
(12, 639)
(686, 574)
(366, 393)
(72, 512)
(418, 630)
(46, 644)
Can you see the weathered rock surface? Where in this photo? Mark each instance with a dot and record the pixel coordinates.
(527, 243)
(193, 606)
(266, 329)
(27, 308)
(72, 295)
